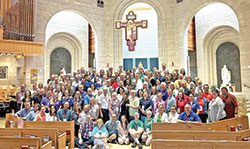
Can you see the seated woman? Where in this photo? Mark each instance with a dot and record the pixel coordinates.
(146, 104)
(51, 116)
(42, 115)
(161, 116)
(99, 135)
(147, 128)
(123, 131)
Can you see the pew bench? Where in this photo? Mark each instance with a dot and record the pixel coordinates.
(63, 127)
(52, 133)
(198, 144)
(195, 135)
(8, 142)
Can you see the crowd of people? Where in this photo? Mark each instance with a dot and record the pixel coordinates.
(119, 106)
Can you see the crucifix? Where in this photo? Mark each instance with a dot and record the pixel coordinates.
(131, 29)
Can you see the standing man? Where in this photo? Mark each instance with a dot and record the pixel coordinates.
(206, 92)
(19, 96)
(231, 103)
(133, 105)
(103, 105)
(164, 91)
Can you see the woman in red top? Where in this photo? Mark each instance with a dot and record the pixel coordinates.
(203, 102)
(42, 115)
(181, 102)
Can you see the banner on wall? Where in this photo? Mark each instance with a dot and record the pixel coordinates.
(33, 76)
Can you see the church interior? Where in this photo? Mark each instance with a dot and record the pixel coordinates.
(50, 48)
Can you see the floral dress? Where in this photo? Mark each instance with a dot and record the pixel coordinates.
(114, 105)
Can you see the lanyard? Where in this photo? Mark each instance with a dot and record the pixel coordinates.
(64, 114)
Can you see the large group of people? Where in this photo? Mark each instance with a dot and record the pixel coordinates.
(119, 106)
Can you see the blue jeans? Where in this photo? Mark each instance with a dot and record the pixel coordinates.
(85, 144)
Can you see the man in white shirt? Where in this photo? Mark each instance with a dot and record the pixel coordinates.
(103, 105)
(139, 84)
(173, 115)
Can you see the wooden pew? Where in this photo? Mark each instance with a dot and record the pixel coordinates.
(178, 126)
(18, 123)
(225, 125)
(53, 133)
(194, 135)
(10, 132)
(17, 143)
(62, 141)
(196, 144)
(243, 134)
(38, 132)
(63, 127)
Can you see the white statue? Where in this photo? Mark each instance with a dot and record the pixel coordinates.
(225, 75)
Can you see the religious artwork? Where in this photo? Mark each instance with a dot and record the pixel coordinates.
(228, 54)
(3, 72)
(33, 76)
(60, 58)
(225, 75)
(131, 29)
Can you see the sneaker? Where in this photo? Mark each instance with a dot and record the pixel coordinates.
(134, 145)
(140, 146)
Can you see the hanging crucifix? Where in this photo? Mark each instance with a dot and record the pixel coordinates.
(131, 29)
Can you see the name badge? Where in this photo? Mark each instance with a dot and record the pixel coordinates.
(143, 107)
(178, 110)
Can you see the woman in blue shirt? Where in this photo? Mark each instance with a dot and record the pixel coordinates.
(99, 134)
(67, 98)
(146, 104)
(194, 104)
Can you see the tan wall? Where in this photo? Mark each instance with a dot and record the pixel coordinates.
(12, 77)
(173, 20)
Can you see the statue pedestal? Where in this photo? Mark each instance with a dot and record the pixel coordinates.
(242, 102)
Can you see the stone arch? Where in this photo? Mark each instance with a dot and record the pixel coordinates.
(211, 42)
(119, 11)
(67, 41)
(200, 55)
(60, 58)
(195, 9)
(58, 10)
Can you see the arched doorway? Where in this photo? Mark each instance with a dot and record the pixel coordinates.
(229, 54)
(212, 17)
(60, 58)
(69, 29)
